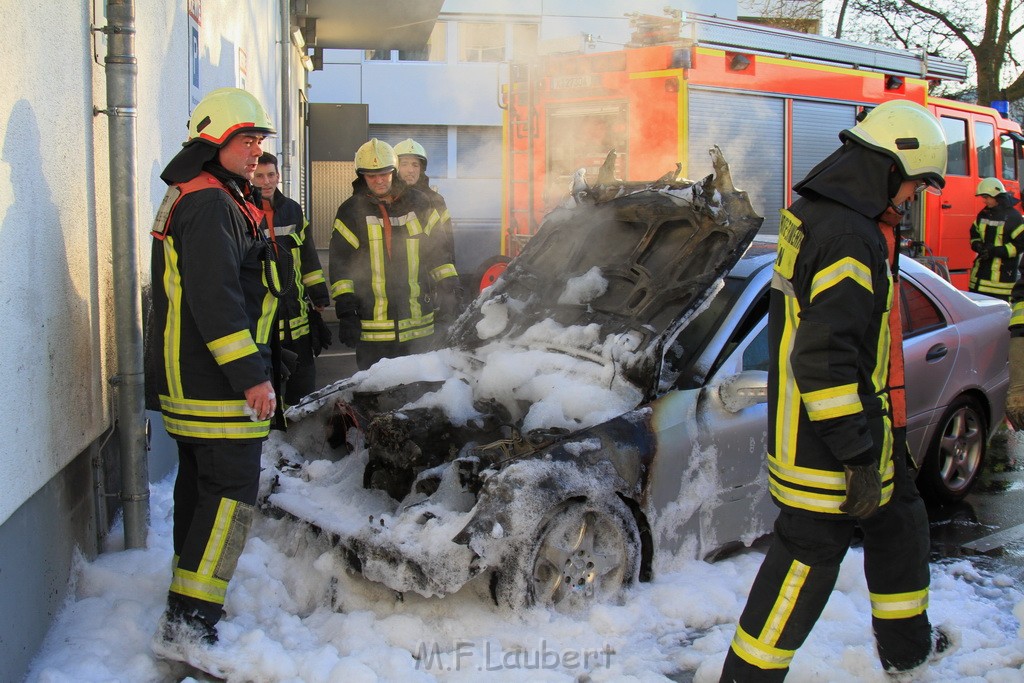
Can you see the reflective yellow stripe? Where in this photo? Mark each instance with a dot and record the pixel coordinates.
(217, 430)
(759, 654)
(1017, 317)
(198, 586)
(432, 222)
(349, 236)
(993, 287)
(378, 277)
(816, 502)
(805, 476)
(218, 535)
(342, 287)
(787, 414)
(824, 404)
(1011, 249)
(899, 605)
(314, 277)
(442, 272)
(410, 323)
(203, 408)
(413, 253)
(172, 328)
(265, 325)
(782, 610)
(232, 347)
(844, 268)
(880, 375)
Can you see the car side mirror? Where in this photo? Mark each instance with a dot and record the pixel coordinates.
(744, 390)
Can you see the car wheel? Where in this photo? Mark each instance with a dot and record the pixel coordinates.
(489, 271)
(584, 553)
(956, 454)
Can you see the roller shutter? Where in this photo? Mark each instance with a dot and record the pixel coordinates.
(749, 130)
(816, 127)
(433, 138)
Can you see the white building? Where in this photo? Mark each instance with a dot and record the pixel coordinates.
(63, 259)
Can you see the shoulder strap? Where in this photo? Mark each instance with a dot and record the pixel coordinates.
(203, 181)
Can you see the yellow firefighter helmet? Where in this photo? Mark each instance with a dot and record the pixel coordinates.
(910, 134)
(990, 187)
(225, 112)
(375, 156)
(411, 147)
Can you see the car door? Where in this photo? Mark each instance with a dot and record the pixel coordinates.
(930, 347)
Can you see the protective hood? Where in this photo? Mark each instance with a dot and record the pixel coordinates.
(188, 162)
(854, 176)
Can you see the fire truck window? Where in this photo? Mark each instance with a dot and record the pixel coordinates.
(434, 51)
(478, 152)
(985, 143)
(917, 311)
(956, 145)
(1009, 157)
(484, 42)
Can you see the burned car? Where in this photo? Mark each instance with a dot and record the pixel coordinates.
(556, 442)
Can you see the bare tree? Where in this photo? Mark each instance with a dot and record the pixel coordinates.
(980, 32)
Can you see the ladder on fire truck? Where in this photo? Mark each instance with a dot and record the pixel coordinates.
(689, 31)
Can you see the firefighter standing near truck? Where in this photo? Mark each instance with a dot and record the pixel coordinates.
(209, 357)
(386, 258)
(412, 168)
(997, 237)
(301, 328)
(833, 464)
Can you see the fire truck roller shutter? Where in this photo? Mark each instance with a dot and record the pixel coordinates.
(816, 127)
(749, 129)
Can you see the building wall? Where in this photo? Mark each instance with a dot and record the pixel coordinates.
(456, 94)
(56, 304)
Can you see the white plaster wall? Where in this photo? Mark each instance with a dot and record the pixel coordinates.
(57, 350)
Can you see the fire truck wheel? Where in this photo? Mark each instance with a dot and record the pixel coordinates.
(490, 270)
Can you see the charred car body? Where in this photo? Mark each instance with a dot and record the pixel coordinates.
(431, 470)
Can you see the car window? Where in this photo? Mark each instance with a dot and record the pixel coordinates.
(755, 356)
(918, 312)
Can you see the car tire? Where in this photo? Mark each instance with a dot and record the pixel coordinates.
(956, 454)
(583, 553)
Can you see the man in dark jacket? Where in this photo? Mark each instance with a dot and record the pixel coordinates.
(288, 229)
(386, 256)
(210, 358)
(412, 168)
(997, 237)
(832, 461)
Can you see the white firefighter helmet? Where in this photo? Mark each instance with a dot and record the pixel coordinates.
(411, 147)
(910, 134)
(226, 112)
(990, 187)
(375, 156)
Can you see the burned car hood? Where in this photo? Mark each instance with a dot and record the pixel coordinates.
(621, 264)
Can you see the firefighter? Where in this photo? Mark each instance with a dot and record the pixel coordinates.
(209, 357)
(386, 255)
(412, 168)
(288, 229)
(997, 237)
(833, 464)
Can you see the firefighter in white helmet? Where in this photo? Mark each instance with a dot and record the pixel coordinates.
(412, 168)
(997, 237)
(387, 256)
(210, 358)
(835, 462)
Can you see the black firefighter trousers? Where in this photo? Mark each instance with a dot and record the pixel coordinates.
(214, 500)
(800, 571)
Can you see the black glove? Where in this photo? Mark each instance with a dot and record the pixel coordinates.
(289, 360)
(320, 337)
(863, 490)
(984, 252)
(350, 326)
(448, 299)
(976, 246)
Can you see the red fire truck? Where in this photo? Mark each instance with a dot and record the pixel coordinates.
(773, 100)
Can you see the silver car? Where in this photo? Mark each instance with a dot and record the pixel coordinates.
(639, 290)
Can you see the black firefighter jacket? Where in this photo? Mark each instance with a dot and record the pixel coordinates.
(212, 313)
(829, 336)
(444, 225)
(391, 290)
(290, 231)
(1002, 230)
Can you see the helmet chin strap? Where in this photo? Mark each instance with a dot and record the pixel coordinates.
(901, 209)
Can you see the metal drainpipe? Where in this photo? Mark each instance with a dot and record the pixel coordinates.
(122, 74)
(284, 125)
